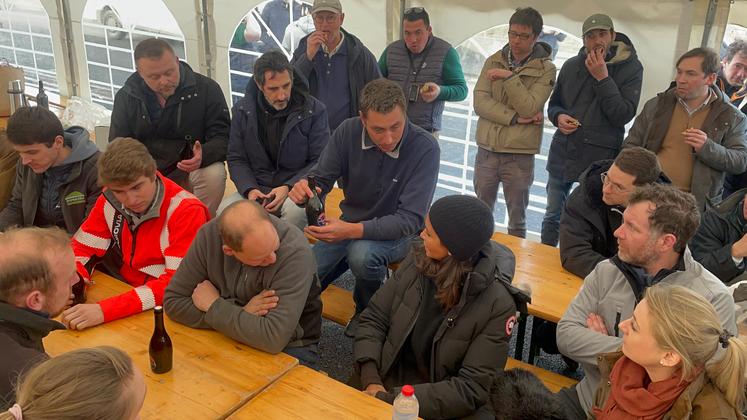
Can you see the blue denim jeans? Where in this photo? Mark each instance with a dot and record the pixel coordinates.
(307, 355)
(557, 194)
(368, 260)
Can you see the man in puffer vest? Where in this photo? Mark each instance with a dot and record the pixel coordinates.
(426, 67)
(139, 230)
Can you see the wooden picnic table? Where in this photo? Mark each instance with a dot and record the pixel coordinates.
(304, 393)
(212, 376)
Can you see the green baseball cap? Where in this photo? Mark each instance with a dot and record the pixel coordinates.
(597, 21)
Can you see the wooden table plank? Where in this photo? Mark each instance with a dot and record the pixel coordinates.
(538, 266)
(306, 394)
(213, 375)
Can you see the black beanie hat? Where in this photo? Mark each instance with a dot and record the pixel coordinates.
(463, 223)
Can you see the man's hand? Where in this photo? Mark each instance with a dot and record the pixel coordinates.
(301, 192)
(335, 230)
(372, 389)
(498, 74)
(314, 42)
(536, 119)
(262, 303)
(278, 196)
(739, 248)
(430, 91)
(595, 323)
(596, 65)
(193, 164)
(695, 138)
(85, 315)
(256, 195)
(204, 295)
(567, 124)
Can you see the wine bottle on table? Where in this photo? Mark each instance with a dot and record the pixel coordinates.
(160, 350)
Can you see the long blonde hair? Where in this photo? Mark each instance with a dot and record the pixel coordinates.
(684, 322)
(82, 384)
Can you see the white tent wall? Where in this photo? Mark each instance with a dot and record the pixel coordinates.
(659, 29)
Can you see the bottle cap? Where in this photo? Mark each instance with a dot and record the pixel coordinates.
(158, 309)
(408, 390)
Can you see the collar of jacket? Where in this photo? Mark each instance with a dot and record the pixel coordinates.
(36, 324)
(683, 405)
(623, 48)
(353, 45)
(534, 65)
(153, 212)
(135, 85)
(638, 279)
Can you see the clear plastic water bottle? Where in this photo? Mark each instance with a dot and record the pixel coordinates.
(406, 405)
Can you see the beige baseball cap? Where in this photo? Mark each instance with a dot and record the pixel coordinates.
(333, 6)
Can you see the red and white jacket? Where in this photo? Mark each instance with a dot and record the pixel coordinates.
(151, 247)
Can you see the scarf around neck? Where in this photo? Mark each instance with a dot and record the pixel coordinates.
(634, 397)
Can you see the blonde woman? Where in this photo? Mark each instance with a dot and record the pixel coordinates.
(661, 372)
(98, 383)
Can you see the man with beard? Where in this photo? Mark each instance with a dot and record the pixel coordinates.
(37, 270)
(596, 94)
(694, 130)
(278, 132)
(652, 247)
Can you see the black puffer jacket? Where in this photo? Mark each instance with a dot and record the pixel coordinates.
(196, 111)
(587, 224)
(469, 347)
(719, 228)
(603, 108)
(21, 333)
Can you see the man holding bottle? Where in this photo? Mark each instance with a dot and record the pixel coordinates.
(388, 167)
(278, 132)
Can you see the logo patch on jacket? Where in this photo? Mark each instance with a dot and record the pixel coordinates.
(510, 322)
(75, 197)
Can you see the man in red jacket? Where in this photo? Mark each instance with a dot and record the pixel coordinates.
(138, 231)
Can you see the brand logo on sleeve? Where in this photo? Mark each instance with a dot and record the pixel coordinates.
(75, 197)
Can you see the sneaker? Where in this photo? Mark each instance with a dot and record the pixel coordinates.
(352, 326)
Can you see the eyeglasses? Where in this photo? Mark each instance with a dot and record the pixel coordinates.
(327, 17)
(523, 37)
(615, 186)
(414, 11)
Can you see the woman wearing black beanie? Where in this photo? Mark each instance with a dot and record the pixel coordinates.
(442, 322)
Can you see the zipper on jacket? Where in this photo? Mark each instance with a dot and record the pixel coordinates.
(449, 321)
(617, 323)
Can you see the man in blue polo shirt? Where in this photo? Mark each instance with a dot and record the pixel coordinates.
(388, 168)
(335, 62)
